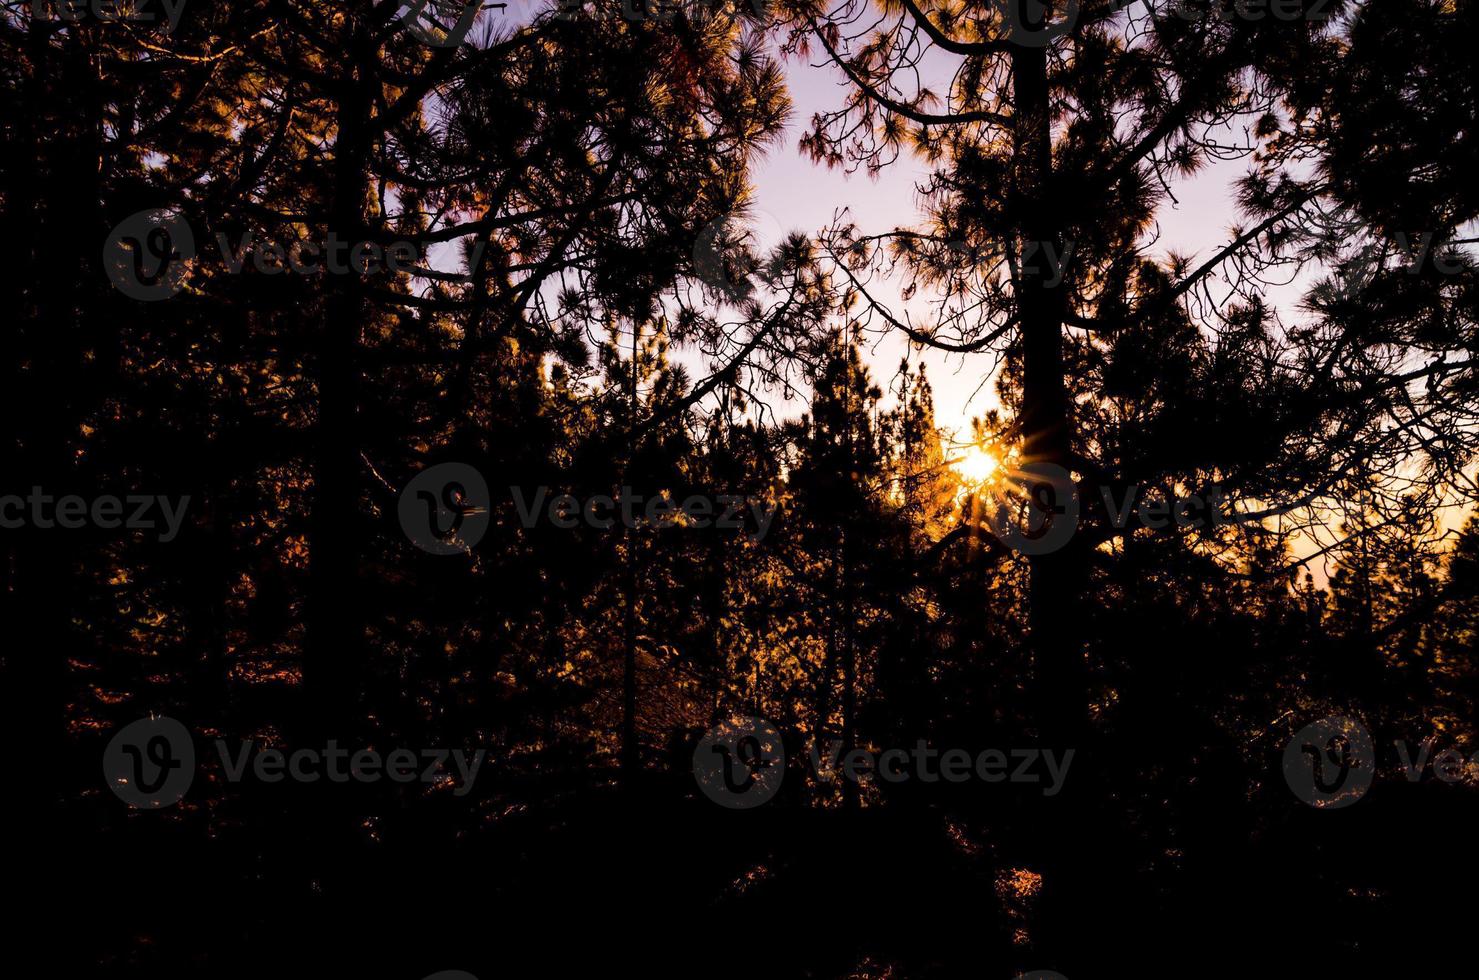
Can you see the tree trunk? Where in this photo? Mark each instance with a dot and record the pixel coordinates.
(1061, 691)
(333, 639)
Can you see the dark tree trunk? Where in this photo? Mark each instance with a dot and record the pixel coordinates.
(1056, 579)
(333, 639)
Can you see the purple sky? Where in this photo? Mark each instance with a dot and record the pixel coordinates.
(803, 196)
(792, 193)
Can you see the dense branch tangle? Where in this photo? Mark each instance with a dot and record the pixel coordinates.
(1150, 109)
(1139, 97)
(1120, 364)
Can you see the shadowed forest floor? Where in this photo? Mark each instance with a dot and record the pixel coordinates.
(592, 884)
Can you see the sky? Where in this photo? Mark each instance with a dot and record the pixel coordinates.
(793, 193)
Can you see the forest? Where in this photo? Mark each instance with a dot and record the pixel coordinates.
(457, 544)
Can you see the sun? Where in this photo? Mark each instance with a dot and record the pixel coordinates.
(975, 465)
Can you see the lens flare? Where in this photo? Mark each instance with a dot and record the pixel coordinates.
(975, 465)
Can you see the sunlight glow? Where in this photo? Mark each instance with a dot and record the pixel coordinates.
(975, 465)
